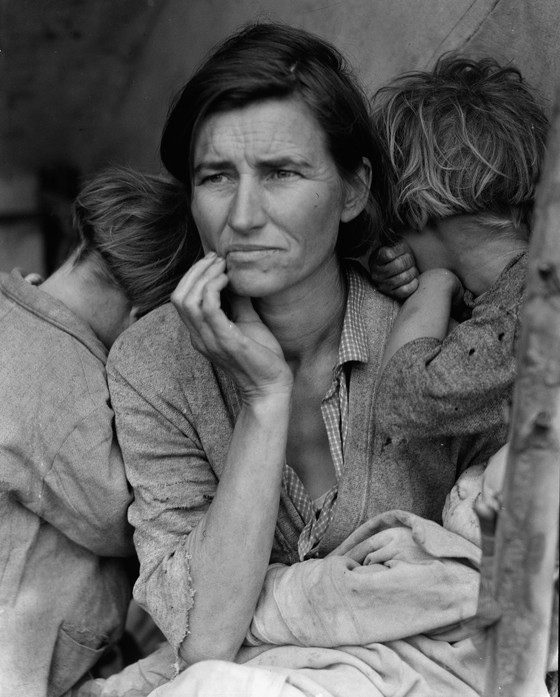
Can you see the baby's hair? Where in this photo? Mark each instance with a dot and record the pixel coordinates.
(467, 137)
(134, 227)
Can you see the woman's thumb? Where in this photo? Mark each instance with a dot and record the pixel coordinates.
(241, 309)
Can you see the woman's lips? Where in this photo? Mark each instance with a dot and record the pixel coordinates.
(241, 254)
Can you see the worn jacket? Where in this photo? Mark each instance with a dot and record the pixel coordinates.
(458, 386)
(175, 414)
(64, 586)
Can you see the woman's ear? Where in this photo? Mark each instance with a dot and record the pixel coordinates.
(357, 192)
(134, 314)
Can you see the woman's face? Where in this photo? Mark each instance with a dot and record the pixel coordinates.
(267, 196)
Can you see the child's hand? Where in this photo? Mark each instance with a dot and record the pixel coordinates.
(393, 271)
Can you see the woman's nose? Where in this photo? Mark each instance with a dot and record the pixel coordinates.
(247, 211)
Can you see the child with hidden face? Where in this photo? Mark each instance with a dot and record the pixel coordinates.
(67, 554)
(464, 144)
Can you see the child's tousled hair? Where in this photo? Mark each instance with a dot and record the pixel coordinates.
(467, 137)
(134, 227)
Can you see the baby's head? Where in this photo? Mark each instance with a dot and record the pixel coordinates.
(478, 490)
(466, 138)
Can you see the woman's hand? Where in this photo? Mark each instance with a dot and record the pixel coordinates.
(242, 346)
(393, 271)
(34, 279)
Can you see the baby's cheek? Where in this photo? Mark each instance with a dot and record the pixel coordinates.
(494, 475)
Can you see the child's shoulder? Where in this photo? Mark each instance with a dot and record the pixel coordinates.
(507, 291)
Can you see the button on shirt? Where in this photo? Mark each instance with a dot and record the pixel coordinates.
(334, 409)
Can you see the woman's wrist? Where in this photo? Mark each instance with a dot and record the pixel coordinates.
(268, 398)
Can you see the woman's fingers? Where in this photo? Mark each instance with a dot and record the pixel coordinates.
(371, 544)
(199, 290)
(242, 345)
(190, 287)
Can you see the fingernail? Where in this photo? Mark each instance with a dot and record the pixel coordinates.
(210, 255)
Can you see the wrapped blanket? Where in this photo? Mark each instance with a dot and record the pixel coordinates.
(388, 613)
(396, 576)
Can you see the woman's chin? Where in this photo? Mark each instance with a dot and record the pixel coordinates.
(251, 284)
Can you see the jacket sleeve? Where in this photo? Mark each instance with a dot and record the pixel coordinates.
(456, 387)
(83, 491)
(173, 486)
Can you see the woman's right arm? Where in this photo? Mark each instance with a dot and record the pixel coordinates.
(227, 550)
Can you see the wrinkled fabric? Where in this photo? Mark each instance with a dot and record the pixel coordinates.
(219, 678)
(356, 637)
(64, 586)
(344, 625)
(321, 604)
(397, 576)
(427, 388)
(390, 613)
(175, 415)
(136, 680)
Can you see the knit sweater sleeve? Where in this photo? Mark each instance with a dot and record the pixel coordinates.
(172, 481)
(455, 387)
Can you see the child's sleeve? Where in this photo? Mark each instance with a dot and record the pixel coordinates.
(455, 387)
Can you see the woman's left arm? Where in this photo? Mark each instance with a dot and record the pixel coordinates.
(384, 584)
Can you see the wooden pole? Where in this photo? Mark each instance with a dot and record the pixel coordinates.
(527, 529)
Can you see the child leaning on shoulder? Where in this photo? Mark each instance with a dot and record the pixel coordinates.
(464, 145)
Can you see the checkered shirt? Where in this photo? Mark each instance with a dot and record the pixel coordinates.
(334, 408)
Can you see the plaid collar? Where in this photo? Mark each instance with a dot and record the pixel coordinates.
(353, 340)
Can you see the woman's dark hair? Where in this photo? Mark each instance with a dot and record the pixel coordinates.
(270, 61)
(134, 227)
(467, 137)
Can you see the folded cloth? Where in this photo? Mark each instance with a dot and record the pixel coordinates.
(396, 576)
(390, 613)
(136, 680)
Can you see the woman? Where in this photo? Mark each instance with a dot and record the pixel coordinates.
(257, 442)
(65, 582)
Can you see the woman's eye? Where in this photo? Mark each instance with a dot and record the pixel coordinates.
(217, 178)
(283, 174)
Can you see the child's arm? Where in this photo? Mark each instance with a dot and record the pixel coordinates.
(427, 312)
(457, 386)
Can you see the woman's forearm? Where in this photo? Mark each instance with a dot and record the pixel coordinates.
(231, 546)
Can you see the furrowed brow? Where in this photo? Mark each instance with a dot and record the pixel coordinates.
(284, 162)
(212, 165)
